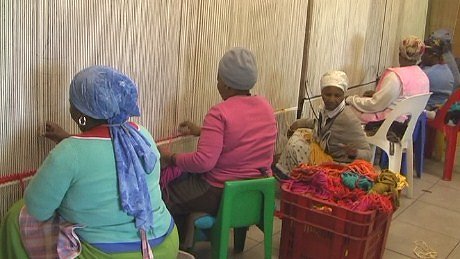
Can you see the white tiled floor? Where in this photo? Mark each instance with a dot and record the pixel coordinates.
(433, 216)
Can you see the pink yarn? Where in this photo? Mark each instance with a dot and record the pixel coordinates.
(319, 180)
(168, 174)
(373, 201)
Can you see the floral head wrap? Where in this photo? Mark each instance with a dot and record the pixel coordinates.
(411, 48)
(104, 93)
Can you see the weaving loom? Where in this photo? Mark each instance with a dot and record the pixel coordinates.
(171, 49)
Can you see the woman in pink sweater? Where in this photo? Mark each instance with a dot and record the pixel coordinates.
(237, 141)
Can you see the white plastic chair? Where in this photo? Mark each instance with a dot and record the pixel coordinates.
(412, 107)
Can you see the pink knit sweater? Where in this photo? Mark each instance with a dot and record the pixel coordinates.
(237, 138)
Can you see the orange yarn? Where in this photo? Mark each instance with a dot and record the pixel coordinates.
(362, 167)
(303, 172)
(317, 154)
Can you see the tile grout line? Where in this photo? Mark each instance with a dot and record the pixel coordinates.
(410, 205)
(458, 245)
(400, 253)
(416, 199)
(430, 230)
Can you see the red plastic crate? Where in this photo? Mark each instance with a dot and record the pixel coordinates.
(316, 229)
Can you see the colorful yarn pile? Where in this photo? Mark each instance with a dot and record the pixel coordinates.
(353, 180)
(389, 183)
(301, 172)
(355, 186)
(402, 182)
(317, 179)
(373, 201)
(363, 168)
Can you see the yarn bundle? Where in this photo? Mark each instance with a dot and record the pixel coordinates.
(355, 186)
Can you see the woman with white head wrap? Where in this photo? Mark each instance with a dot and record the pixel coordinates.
(104, 181)
(237, 141)
(336, 135)
(395, 84)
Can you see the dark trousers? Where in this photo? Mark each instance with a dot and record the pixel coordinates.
(190, 193)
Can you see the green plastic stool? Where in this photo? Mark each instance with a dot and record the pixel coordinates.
(244, 203)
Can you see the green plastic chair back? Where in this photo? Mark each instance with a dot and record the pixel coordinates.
(244, 203)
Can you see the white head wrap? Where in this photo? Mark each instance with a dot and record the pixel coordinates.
(335, 78)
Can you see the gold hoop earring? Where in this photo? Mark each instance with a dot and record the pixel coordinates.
(82, 121)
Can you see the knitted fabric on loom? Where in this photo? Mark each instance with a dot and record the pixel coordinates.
(168, 174)
(325, 182)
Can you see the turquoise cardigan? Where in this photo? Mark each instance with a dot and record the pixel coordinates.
(78, 179)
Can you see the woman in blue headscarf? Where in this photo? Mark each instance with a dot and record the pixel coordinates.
(102, 185)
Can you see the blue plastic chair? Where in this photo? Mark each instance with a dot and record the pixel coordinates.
(419, 148)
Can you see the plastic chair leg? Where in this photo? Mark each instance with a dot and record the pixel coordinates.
(384, 162)
(268, 234)
(439, 146)
(239, 238)
(373, 148)
(410, 170)
(403, 169)
(418, 158)
(419, 144)
(418, 147)
(451, 136)
(267, 227)
(219, 242)
(430, 140)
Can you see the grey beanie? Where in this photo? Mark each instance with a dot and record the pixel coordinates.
(238, 69)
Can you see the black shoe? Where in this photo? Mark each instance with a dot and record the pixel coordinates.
(280, 176)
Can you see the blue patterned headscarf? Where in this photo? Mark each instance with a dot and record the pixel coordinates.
(104, 93)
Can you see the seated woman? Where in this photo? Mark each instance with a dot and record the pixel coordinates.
(445, 35)
(395, 84)
(336, 135)
(102, 184)
(439, 74)
(237, 141)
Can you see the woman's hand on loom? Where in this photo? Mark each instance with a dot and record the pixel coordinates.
(294, 126)
(54, 132)
(369, 93)
(166, 157)
(350, 151)
(189, 128)
(290, 132)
